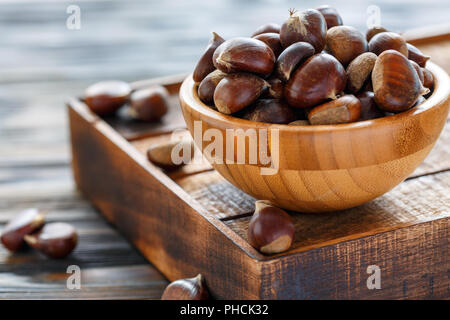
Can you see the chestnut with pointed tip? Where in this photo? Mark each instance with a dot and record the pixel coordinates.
(244, 55)
(418, 70)
(369, 109)
(171, 154)
(208, 86)
(186, 289)
(237, 91)
(359, 70)
(342, 110)
(428, 79)
(26, 222)
(205, 65)
(304, 26)
(275, 89)
(373, 31)
(345, 43)
(270, 111)
(290, 58)
(149, 104)
(388, 41)
(272, 40)
(55, 240)
(318, 79)
(331, 16)
(267, 28)
(416, 55)
(106, 97)
(271, 229)
(395, 82)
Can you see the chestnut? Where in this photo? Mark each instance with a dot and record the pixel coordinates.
(244, 55)
(318, 79)
(388, 40)
(205, 65)
(299, 123)
(395, 82)
(271, 229)
(267, 28)
(290, 58)
(186, 289)
(373, 31)
(270, 111)
(428, 79)
(274, 90)
(359, 70)
(149, 104)
(342, 110)
(161, 153)
(306, 26)
(418, 70)
(272, 40)
(345, 43)
(237, 91)
(208, 85)
(369, 109)
(26, 222)
(106, 97)
(331, 16)
(416, 55)
(55, 240)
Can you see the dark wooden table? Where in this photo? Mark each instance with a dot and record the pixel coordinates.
(41, 64)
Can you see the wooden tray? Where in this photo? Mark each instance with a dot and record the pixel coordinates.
(193, 221)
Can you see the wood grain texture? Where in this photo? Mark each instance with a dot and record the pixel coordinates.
(330, 167)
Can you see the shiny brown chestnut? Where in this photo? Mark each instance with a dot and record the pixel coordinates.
(304, 26)
(271, 229)
(171, 154)
(267, 28)
(205, 65)
(237, 91)
(373, 31)
(395, 82)
(106, 97)
(272, 40)
(417, 56)
(331, 16)
(388, 40)
(26, 222)
(359, 70)
(318, 79)
(342, 110)
(149, 104)
(290, 58)
(418, 70)
(345, 43)
(186, 289)
(244, 55)
(428, 79)
(369, 109)
(55, 240)
(275, 89)
(299, 123)
(270, 111)
(208, 85)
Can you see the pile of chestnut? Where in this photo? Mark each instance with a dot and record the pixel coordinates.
(55, 240)
(106, 97)
(312, 70)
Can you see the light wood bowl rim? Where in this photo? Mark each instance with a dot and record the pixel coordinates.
(188, 94)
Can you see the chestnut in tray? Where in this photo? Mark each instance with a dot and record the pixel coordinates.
(314, 62)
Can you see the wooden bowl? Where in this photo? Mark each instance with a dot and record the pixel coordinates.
(326, 167)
